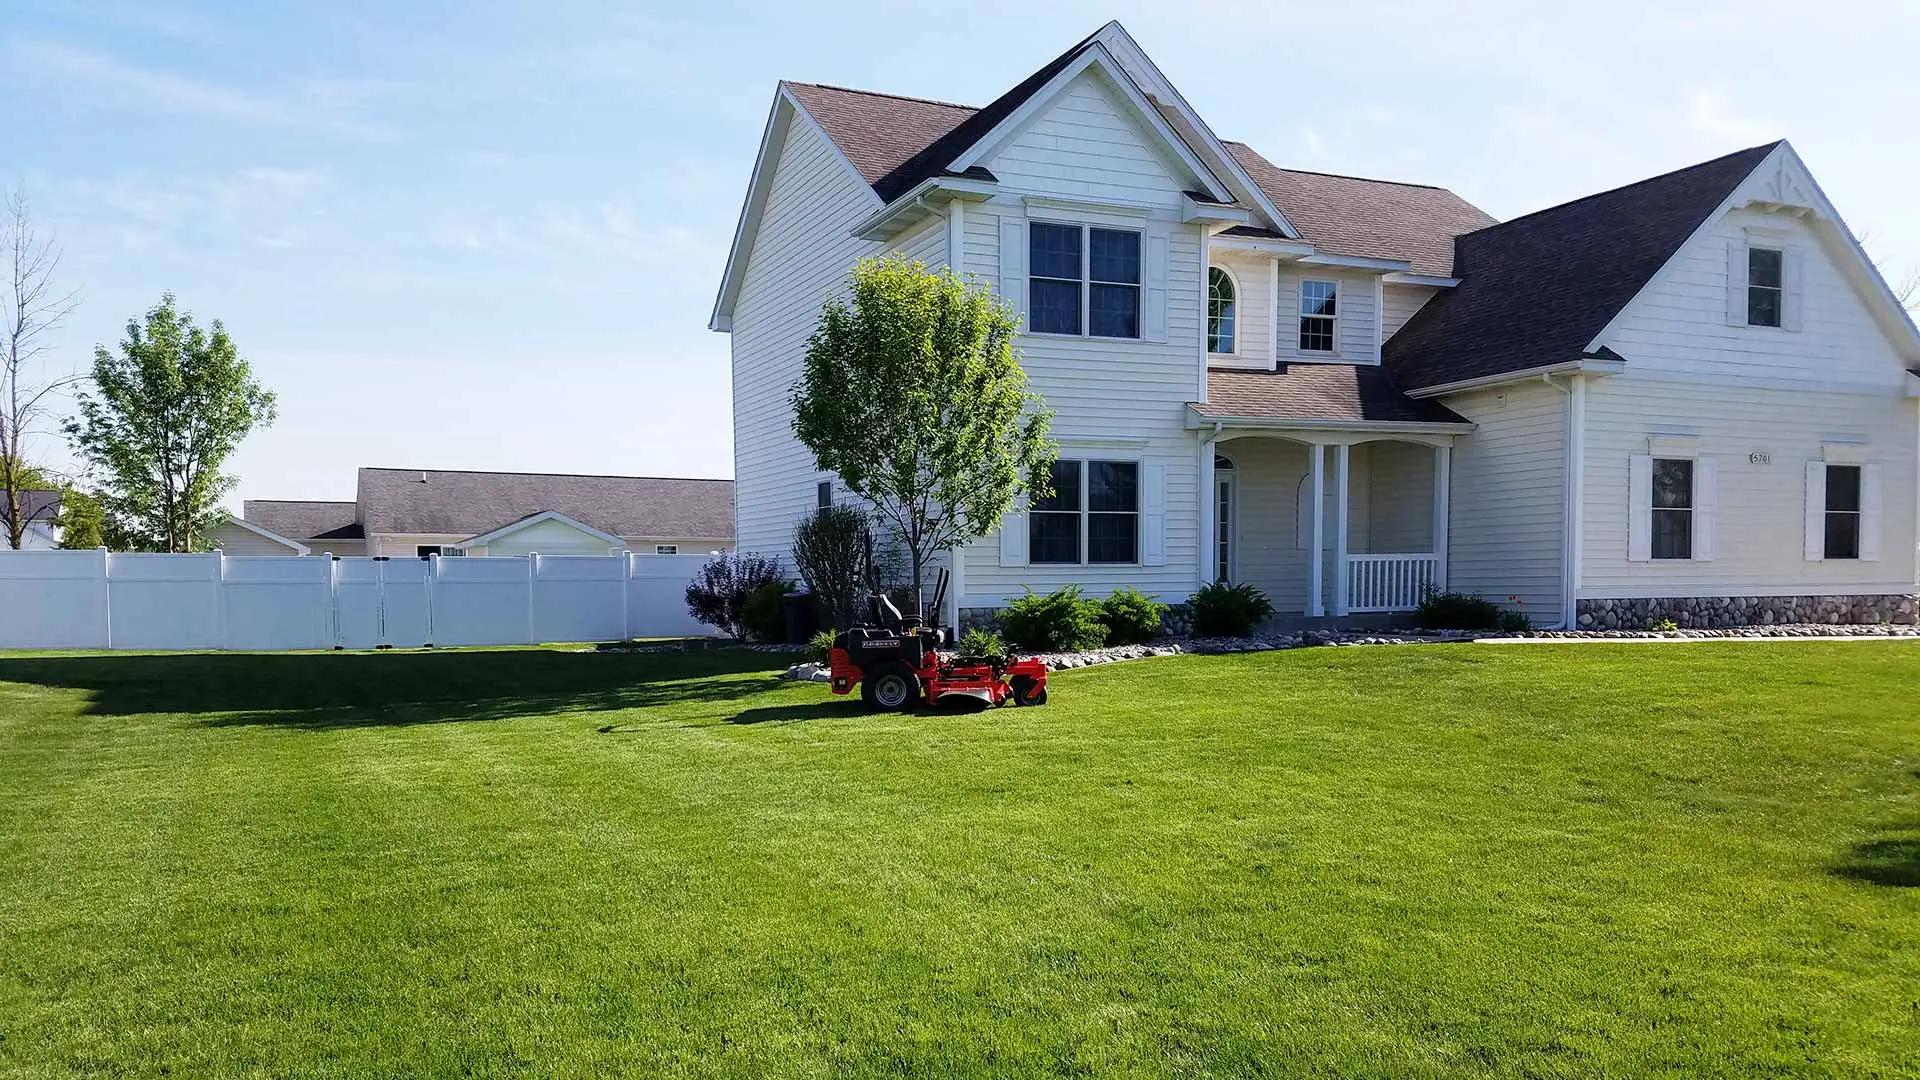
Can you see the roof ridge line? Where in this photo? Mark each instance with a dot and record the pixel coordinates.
(884, 94)
(1670, 173)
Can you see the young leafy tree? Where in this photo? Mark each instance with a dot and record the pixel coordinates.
(163, 417)
(83, 523)
(913, 395)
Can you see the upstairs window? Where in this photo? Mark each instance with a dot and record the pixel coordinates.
(1672, 508)
(1843, 512)
(1083, 281)
(1319, 302)
(1765, 286)
(1222, 304)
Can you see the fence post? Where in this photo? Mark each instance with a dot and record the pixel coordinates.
(626, 595)
(533, 585)
(433, 577)
(219, 599)
(106, 594)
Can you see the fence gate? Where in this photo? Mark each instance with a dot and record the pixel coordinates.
(381, 603)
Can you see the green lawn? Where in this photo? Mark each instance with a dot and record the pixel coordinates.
(1466, 860)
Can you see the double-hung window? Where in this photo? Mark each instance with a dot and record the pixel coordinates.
(1083, 280)
(1672, 508)
(1319, 302)
(1093, 515)
(1843, 512)
(1765, 286)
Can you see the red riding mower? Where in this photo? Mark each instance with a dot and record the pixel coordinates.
(896, 661)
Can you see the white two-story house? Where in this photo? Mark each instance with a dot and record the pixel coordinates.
(1691, 397)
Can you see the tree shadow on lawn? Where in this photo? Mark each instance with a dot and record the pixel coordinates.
(342, 690)
(835, 708)
(1889, 860)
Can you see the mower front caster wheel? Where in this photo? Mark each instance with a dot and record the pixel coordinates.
(890, 688)
(1028, 691)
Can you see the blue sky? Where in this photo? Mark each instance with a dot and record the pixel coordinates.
(487, 235)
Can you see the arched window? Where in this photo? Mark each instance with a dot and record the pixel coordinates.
(1222, 305)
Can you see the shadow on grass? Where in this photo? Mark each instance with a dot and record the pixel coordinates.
(340, 690)
(788, 714)
(1889, 860)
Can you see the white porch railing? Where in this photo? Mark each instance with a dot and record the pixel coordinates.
(1390, 582)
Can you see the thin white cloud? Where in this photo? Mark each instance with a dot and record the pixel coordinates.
(327, 105)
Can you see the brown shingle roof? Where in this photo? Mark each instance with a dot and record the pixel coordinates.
(896, 142)
(1536, 290)
(1380, 219)
(301, 519)
(470, 503)
(1345, 393)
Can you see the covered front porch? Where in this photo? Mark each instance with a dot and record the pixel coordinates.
(1331, 515)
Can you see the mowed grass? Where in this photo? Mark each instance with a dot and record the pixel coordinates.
(1620, 860)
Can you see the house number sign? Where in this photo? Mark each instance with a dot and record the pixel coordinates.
(1760, 457)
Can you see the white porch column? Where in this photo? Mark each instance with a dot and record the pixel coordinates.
(1317, 480)
(1442, 494)
(1207, 505)
(1341, 457)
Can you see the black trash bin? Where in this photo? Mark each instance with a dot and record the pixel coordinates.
(802, 615)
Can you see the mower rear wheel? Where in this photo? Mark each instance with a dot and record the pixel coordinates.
(1028, 691)
(890, 688)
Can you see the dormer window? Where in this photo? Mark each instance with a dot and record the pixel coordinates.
(1319, 302)
(1765, 286)
(1222, 306)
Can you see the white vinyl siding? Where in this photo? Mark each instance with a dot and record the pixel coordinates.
(1355, 316)
(1679, 327)
(1759, 505)
(1508, 515)
(1253, 326)
(1088, 143)
(550, 538)
(1399, 303)
(803, 251)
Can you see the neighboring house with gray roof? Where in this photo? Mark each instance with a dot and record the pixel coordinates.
(413, 512)
(40, 512)
(1683, 393)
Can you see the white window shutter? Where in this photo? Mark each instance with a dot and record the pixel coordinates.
(1790, 291)
(1013, 271)
(1736, 283)
(1706, 499)
(1153, 317)
(1816, 511)
(1153, 514)
(1640, 508)
(1869, 513)
(1013, 537)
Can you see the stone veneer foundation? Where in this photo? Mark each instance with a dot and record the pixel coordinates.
(1723, 612)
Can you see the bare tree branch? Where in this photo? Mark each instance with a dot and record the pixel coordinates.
(30, 310)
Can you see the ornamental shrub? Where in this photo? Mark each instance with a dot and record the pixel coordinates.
(1060, 621)
(1131, 617)
(980, 641)
(1222, 610)
(764, 614)
(718, 595)
(1456, 611)
(830, 550)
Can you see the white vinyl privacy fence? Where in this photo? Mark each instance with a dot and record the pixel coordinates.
(98, 600)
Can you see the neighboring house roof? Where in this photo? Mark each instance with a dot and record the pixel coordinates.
(256, 529)
(37, 505)
(443, 502)
(1536, 291)
(1350, 215)
(303, 519)
(1316, 393)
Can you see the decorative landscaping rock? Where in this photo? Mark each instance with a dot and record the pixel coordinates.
(808, 672)
(1727, 612)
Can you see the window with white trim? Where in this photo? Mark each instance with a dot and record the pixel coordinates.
(1766, 286)
(1222, 308)
(1843, 512)
(666, 549)
(823, 494)
(1672, 517)
(1083, 280)
(1319, 314)
(1092, 517)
